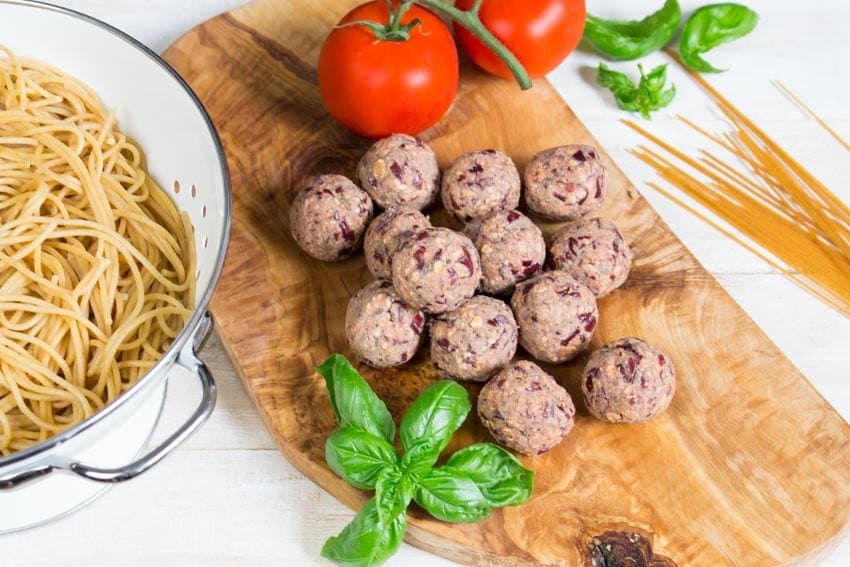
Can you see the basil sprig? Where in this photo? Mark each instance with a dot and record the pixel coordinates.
(711, 26)
(647, 96)
(473, 482)
(628, 40)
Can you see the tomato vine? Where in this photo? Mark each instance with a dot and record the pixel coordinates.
(394, 30)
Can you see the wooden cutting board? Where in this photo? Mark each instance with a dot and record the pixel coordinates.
(750, 466)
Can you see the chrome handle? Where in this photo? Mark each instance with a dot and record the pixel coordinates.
(137, 467)
(189, 360)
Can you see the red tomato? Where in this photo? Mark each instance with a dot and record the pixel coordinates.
(541, 33)
(377, 88)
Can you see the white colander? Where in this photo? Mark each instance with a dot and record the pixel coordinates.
(159, 111)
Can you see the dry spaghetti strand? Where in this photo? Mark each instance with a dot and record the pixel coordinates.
(807, 109)
(96, 263)
(775, 207)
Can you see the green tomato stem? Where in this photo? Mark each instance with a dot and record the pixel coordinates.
(469, 19)
(396, 15)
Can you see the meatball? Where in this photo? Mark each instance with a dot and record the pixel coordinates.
(329, 216)
(400, 171)
(474, 340)
(565, 183)
(436, 270)
(511, 247)
(594, 252)
(526, 409)
(556, 315)
(480, 183)
(386, 233)
(628, 381)
(381, 330)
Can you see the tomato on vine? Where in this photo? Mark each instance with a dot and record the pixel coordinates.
(382, 73)
(391, 66)
(540, 33)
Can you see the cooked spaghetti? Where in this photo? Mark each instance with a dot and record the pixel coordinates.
(97, 269)
(775, 207)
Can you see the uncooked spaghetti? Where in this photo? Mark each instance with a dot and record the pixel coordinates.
(777, 209)
(96, 263)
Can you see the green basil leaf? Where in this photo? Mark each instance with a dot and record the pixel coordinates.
(500, 476)
(711, 26)
(353, 401)
(653, 81)
(359, 457)
(393, 492)
(418, 460)
(650, 94)
(367, 540)
(665, 97)
(452, 496)
(627, 40)
(435, 415)
(616, 82)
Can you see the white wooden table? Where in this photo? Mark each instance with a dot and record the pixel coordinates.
(229, 497)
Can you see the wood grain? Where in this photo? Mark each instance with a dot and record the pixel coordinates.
(750, 466)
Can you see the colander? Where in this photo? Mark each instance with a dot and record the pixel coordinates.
(156, 108)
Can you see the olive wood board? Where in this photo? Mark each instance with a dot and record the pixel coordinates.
(749, 466)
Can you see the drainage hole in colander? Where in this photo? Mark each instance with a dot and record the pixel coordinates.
(176, 186)
(204, 212)
(193, 191)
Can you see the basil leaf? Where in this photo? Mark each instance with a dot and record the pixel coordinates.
(644, 98)
(500, 476)
(367, 540)
(627, 40)
(393, 492)
(419, 459)
(618, 83)
(650, 94)
(711, 26)
(434, 416)
(358, 457)
(653, 81)
(353, 401)
(452, 496)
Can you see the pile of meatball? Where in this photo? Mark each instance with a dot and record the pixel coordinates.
(480, 292)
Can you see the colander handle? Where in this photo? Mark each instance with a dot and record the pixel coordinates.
(188, 359)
